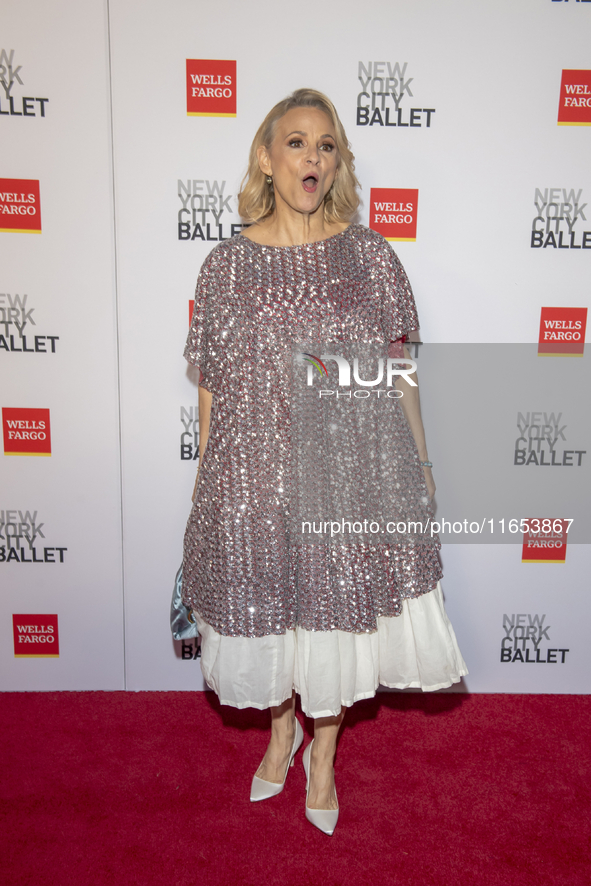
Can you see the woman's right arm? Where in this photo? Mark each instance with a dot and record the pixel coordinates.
(204, 413)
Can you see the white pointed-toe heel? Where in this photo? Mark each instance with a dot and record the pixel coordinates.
(323, 819)
(261, 789)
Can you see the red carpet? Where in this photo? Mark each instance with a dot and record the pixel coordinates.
(152, 788)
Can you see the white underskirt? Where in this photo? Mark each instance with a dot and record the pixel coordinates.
(416, 649)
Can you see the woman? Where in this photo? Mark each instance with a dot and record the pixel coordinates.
(275, 617)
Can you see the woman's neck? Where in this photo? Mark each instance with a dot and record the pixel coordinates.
(293, 229)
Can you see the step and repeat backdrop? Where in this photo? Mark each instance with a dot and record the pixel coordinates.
(125, 129)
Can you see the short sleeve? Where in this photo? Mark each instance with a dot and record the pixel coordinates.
(396, 349)
(200, 348)
(398, 310)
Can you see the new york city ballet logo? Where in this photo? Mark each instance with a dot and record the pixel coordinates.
(23, 539)
(560, 220)
(544, 540)
(574, 108)
(13, 102)
(35, 636)
(562, 332)
(26, 431)
(384, 96)
(393, 212)
(211, 88)
(542, 440)
(18, 328)
(390, 368)
(206, 212)
(20, 206)
(189, 439)
(526, 639)
(191, 649)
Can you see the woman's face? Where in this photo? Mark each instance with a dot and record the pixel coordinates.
(303, 160)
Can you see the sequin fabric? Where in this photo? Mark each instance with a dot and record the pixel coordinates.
(242, 571)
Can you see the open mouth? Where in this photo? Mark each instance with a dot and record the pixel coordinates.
(310, 183)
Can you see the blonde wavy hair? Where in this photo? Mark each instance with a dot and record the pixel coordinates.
(256, 199)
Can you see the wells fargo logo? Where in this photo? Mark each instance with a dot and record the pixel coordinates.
(20, 206)
(545, 541)
(562, 332)
(393, 212)
(211, 88)
(574, 108)
(26, 431)
(35, 636)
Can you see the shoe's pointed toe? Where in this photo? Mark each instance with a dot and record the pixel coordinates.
(262, 790)
(323, 819)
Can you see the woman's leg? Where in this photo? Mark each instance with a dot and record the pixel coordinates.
(322, 794)
(276, 758)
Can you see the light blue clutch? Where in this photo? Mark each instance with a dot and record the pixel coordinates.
(182, 624)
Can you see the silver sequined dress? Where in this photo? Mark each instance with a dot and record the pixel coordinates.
(241, 574)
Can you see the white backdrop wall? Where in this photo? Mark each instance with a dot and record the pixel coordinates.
(66, 275)
(119, 161)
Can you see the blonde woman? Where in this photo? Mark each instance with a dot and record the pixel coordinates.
(275, 618)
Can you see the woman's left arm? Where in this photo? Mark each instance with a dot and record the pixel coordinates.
(411, 406)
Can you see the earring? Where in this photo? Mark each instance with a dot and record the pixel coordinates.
(269, 180)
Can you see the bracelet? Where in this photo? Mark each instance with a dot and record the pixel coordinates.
(427, 464)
